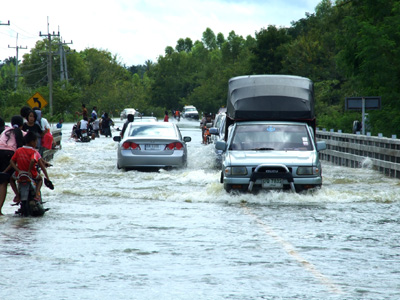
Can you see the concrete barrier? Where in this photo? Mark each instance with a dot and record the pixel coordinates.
(355, 151)
(49, 154)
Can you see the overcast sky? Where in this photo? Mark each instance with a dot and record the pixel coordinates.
(138, 30)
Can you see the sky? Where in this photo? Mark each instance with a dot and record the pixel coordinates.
(138, 30)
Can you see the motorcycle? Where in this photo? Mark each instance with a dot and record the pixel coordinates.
(27, 191)
(207, 134)
(81, 135)
(85, 137)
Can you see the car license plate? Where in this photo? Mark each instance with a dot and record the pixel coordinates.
(152, 147)
(272, 183)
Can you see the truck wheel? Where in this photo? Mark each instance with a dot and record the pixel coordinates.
(227, 187)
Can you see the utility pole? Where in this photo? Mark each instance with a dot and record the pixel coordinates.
(66, 69)
(63, 61)
(49, 65)
(5, 24)
(16, 62)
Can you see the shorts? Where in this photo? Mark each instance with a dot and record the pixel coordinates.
(5, 157)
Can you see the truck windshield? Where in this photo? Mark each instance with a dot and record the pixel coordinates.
(281, 137)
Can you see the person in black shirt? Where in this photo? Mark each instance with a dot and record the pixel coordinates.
(106, 122)
(130, 118)
(31, 125)
(2, 125)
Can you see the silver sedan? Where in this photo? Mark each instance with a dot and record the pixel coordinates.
(152, 145)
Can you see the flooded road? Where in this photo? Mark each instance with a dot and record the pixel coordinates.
(177, 234)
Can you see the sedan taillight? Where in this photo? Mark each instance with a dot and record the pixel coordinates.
(174, 146)
(178, 146)
(130, 145)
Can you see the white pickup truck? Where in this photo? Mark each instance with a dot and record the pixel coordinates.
(270, 135)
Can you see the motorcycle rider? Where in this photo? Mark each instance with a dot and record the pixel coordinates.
(204, 130)
(82, 127)
(26, 159)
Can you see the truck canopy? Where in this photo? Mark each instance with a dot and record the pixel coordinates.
(270, 97)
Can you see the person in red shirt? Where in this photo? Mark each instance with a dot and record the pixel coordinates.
(25, 159)
(166, 116)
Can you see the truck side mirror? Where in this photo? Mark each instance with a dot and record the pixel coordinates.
(321, 145)
(214, 130)
(220, 145)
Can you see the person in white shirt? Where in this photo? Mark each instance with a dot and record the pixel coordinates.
(94, 113)
(44, 125)
(82, 127)
(96, 127)
(84, 124)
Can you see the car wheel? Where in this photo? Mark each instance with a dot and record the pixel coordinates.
(118, 167)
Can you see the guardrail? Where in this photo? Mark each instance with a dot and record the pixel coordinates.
(49, 154)
(355, 151)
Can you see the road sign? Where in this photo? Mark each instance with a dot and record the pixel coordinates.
(355, 103)
(37, 100)
(363, 103)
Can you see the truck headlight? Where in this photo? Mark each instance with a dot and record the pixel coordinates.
(307, 171)
(236, 171)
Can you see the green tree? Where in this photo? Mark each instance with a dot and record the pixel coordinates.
(269, 50)
(209, 39)
(7, 74)
(184, 45)
(220, 40)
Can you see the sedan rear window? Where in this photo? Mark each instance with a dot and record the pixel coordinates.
(271, 137)
(152, 131)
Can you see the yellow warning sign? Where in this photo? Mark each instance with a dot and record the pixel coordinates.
(37, 100)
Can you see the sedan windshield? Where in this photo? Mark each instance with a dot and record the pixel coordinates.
(152, 131)
(271, 137)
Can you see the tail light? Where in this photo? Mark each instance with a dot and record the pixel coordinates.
(174, 146)
(178, 146)
(130, 145)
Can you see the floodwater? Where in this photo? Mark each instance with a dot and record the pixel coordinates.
(111, 234)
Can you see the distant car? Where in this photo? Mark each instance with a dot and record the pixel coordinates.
(190, 112)
(124, 114)
(152, 145)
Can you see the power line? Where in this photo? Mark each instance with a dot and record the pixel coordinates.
(28, 35)
(44, 66)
